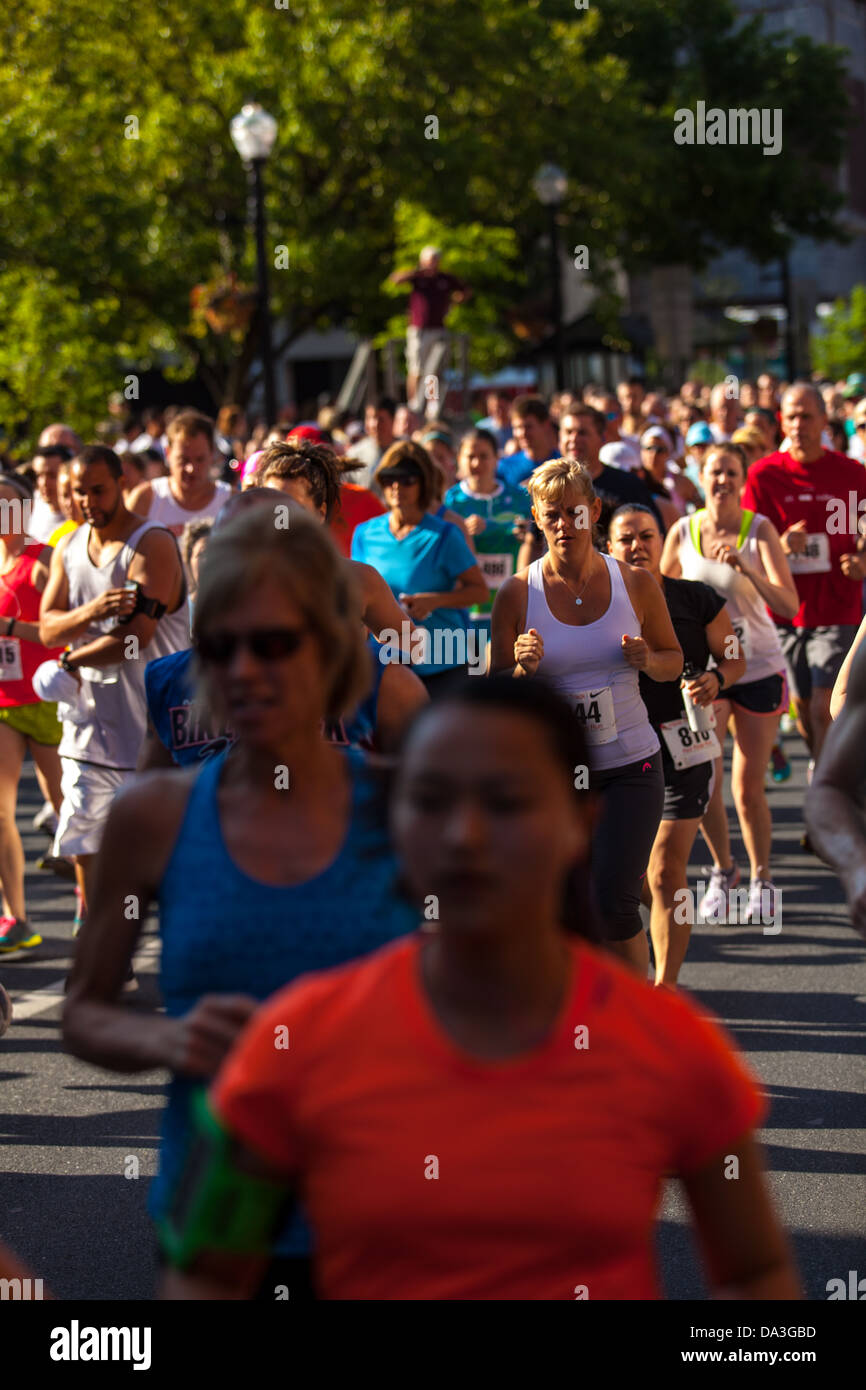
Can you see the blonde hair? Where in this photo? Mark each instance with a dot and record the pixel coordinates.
(552, 480)
(302, 558)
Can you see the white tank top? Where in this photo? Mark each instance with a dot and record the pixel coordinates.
(751, 621)
(107, 723)
(588, 662)
(165, 509)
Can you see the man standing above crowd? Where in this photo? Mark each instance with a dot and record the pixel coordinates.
(189, 492)
(535, 437)
(432, 293)
(812, 496)
(115, 591)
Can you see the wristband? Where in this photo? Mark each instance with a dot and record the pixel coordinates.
(720, 678)
(11, 628)
(63, 660)
(214, 1205)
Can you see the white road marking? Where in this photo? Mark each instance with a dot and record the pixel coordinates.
(38, 1001)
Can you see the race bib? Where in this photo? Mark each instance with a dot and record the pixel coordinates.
(496, 569)
(744, 635)
(688, 748)
(595, 710)
(10, 659)
(816, 557)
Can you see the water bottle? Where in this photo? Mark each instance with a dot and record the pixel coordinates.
(701, 717)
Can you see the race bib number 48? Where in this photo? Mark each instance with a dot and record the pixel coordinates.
(595, 710)
(10, 659)
(815, 558)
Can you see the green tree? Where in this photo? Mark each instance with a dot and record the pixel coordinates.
(120, 191)
(839, 348)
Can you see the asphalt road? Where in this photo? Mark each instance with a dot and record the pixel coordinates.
(796, 1003)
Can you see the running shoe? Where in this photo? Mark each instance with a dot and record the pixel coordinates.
(810, 771)
(46, 819)
(788, 724)
(806, 843)
(713, 906)
(779, 765)
(16, 935)
(762, 903)
(57, 864)
(5, 1011)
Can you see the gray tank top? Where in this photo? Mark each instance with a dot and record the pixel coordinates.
(586, 665)
(107, 723)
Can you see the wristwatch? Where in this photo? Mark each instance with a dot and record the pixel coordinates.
(63, 660)
(720, 678)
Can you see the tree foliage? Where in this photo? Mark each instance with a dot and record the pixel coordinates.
(840, 347)
(120, 191)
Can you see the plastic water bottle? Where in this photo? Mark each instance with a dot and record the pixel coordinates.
(701, 718)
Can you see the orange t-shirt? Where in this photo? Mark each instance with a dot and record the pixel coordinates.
(427, 1174)
(357, 504)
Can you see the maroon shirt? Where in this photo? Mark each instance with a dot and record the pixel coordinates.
(431, 298)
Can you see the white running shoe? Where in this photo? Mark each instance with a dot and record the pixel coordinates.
(810, 771)
(46, 819)
(761, 910)
(713, 906)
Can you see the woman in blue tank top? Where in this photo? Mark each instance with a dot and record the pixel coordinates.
(269, 860)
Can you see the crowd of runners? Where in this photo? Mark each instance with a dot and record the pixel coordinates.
(435, 707)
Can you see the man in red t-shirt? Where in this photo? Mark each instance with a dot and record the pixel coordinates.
(815, 498)
(429, 302)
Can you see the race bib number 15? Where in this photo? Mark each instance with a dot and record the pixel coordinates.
(10, 660)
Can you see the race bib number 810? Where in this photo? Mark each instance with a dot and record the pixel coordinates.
(688, 747)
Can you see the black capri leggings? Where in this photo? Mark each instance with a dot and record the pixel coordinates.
(631, 801)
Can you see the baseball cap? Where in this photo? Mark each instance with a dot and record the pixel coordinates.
(656, 435)
(310, 432)
(619, 455)
(699, 433)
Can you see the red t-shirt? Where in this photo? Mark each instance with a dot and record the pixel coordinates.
(19, 658)
(357, 504)
(431, 297)
(826, 495)
(430, 1175)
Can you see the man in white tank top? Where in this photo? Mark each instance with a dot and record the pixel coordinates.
(116, 597)
(189, 493)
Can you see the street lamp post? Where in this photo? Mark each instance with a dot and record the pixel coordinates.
(551, 184)
(253, 133)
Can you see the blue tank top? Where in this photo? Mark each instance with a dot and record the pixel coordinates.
(225, 933)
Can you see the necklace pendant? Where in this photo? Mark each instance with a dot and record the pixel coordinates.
(578, 601)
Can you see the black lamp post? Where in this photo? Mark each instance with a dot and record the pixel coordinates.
(550, 184)
(253, 133)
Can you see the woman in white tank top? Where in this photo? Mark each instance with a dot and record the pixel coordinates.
(739, 554)
(588, 624)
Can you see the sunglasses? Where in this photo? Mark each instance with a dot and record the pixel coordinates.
(405, 478)
(654, 448)
(861, 426)
(266, 644)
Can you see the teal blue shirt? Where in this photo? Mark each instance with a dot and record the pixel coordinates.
(428, 560)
